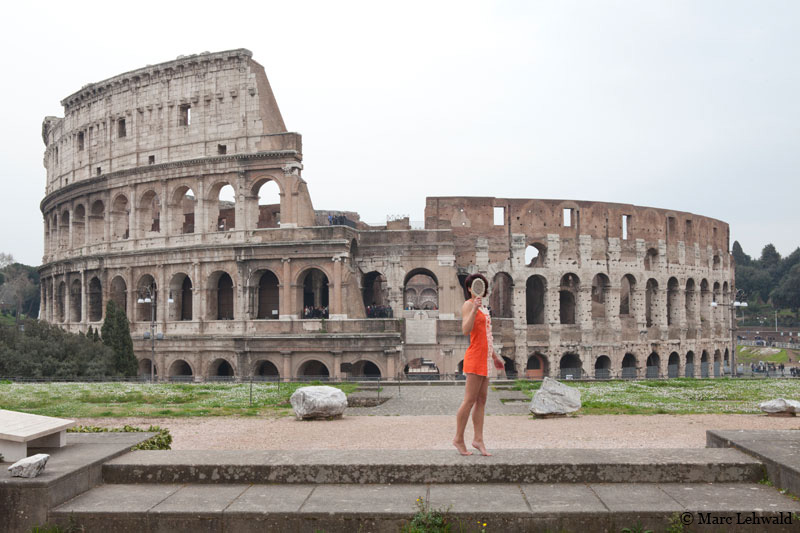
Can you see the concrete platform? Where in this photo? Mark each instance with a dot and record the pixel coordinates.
(690, 465)
(381, 507)
(779, 450)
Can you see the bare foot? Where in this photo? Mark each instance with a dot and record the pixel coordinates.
(462, 448)
(481, 447)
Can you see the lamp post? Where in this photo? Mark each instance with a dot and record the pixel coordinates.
(149, 295)
(738, 296)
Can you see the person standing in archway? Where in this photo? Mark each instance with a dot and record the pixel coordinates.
(475, 322)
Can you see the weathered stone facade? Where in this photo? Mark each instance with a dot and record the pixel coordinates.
(133, 209)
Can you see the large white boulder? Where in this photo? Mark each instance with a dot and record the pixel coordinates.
(780, 406)
(555, 398)
(30, 466)
(318, 402)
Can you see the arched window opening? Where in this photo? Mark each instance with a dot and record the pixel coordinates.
(626, 289)
(120, 218)
(61, 302)
(704, 364)
(534, 300)
(79, 226)
(223, 214)
(268, 297)
(268, 196)
(366, 369)
(315, 294)
(149, 213)
(180, 371)
(600, 287)
(221, 297)
(180, 290)
(97, 216)
(119, 293)
(424, 290)
(95, 300)
(221, 368)
(652, 368)
(602, 367)
(535, 254)
(689, 369)
(53, 244)
(182, 208)
(673, 302)
(651, 302)
(144, 369)
(651, 259)
(266, 371)
(691, 303)
(313, 369)
(510, 367)
(567, 296)
(717, 363)
(501, 297)
(716, 263)
(63, 231)
(75, 301)
(374, 294)
(673, 365)
(146, 299)
(629, 366)
(570, 366)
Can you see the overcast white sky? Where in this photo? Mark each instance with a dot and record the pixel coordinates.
(689, 105)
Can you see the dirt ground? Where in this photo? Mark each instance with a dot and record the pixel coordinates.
(436, 432)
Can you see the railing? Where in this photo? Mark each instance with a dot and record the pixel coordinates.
(602, 373)
(703, 370)
(689, 372)
(651, 372)
(673, 371)
(629, 372)
(571, 373)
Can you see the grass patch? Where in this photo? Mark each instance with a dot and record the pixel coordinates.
(676, 396)
(754, 354)
(92, 400)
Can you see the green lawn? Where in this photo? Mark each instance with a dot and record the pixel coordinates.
(79, 400)
(754, 354)
(676, 396)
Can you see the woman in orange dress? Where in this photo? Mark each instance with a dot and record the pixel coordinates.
(475, 322)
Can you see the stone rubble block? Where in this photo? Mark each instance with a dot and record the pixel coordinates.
(318, 402)
(780, 407)
(30, 466)
(555, 399)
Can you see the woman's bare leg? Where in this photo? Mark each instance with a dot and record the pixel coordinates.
(471, 391)
(478, 416)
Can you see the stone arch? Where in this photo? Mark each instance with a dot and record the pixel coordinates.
(180, 370)
(602, 367)
(568, 297)
(570, 364)
(221, 298)
(268, 296)
(313, 292)
(600, 289)
(95, 300)
(119, 293)
(673, 301)
(61, 302)
(717, 363)
(629, 370)
(374, 289)
(626, 292)
(180, 291)
(420, 279)
(75, 301)
(120, 218)
(501, 297)
(146, 310)
(221, 206)
(653, 365)
(674, 365)
(149, 213)
(266, 370)
(651, 260)
(535, 254)
(535, 290)
(221, 368)
(689, 366)
(651, 302)
(183, 210)
(536, 367)
(313, 369)
(97, 215)
(78, 226)
(366, 369)
(145, 368)
(63, 230)
(510, 367)
(265, 204)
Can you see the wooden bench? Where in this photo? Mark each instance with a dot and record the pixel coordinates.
(20, 430)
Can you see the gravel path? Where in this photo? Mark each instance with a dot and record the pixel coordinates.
(436, 431)
(437, 400)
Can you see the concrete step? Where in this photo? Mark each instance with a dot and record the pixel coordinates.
(691, 465)
(245, 508)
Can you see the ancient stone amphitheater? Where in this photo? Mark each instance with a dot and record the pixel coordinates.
(176, 191)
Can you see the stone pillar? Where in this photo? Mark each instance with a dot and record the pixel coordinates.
(130, 297)
(337, 364)
(637, 304)
(391, 363)
(583, 311)
(552, 305)
(240, 189)
(612, 307)
(680, 312)
(67, 300)
(286, 373)
(337, 309)
(162, 311)
(285, 305)
(84, 299)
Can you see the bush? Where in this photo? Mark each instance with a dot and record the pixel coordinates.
(161, 441)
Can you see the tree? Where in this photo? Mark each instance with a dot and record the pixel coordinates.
(770, 258)
(741, 258)
(787, 293)
(21, 288)
(116, 335)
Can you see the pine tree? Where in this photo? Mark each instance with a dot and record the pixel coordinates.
(116, 335)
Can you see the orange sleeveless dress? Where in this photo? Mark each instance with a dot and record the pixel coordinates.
(477, 359)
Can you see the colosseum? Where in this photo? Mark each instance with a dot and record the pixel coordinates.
(176, 191)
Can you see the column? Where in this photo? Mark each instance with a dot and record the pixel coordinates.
(130, 298)
(84, 299)
(583, 311)
(287, 366)
(336, 307)
(162, 311)
(337, 364)
(285, 305)
(552, 305)
(67, 300)
(638, 306)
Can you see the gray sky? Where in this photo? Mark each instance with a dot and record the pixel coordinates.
(688, 105)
